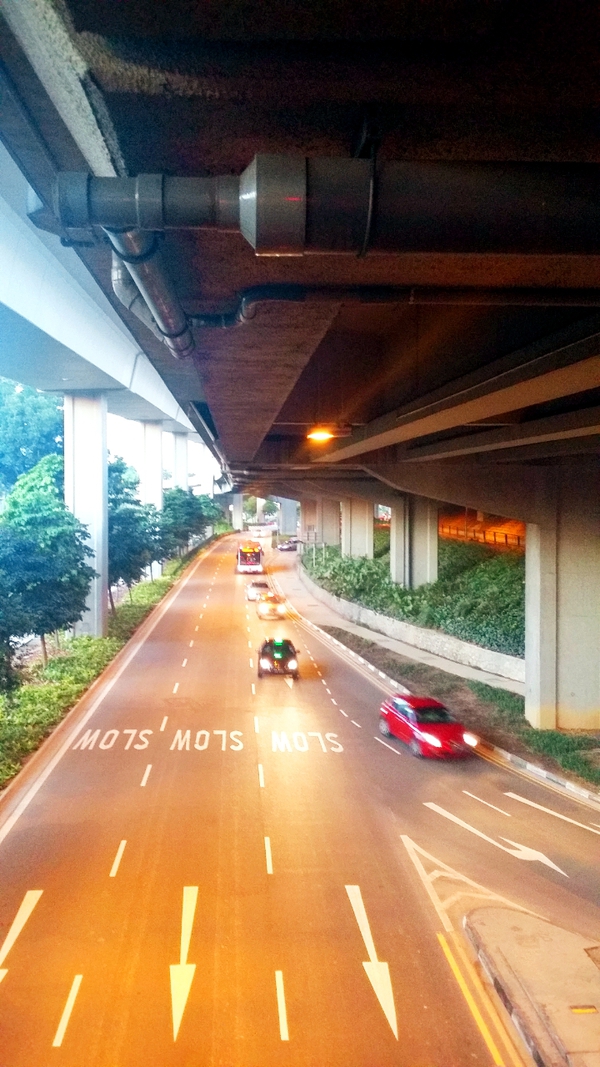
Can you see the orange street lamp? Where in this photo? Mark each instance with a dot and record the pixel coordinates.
(322, 434)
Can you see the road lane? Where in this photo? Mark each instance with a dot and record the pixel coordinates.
(279, 957)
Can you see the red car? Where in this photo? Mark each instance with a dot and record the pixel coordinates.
(426, 726)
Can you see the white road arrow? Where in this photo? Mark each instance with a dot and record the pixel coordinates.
(378, 973)
(521, 852)
(27, 905)
(290, 682)
(182, 973)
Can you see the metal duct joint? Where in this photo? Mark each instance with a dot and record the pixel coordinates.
(140, 254)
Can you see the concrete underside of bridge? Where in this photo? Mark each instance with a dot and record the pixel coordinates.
(479, 384)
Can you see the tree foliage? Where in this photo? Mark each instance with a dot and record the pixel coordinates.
(134, 530)
(183, 516)
(31, 427)
(43, 554)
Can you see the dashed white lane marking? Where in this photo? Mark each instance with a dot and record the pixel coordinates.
(268, 855)
(253, 689)
(281, 1009)
(66, 1015)
(197, 628)
(319, 673)
(256, 729)
(328, 690)
(191, 644)
(334, 702)
(175, 687)
(549, 811)
(345, 714)
(248, 629)
(261, 776)
(251, 664)
(395, 750)
(184, 664)
(117, 859)
(249, 644)
(164, 723)
(201, 616)
(354, 723)
(472, 795)
(146, 774)
(324, 682)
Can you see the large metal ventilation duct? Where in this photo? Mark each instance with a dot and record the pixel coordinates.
(289, 205)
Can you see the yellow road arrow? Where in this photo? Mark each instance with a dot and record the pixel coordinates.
(182, 973)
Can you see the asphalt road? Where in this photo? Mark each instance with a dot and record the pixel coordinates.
(230, 872)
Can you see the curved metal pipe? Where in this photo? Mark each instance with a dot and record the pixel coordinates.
(140, 254)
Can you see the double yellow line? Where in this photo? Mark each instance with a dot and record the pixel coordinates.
(493, 1031)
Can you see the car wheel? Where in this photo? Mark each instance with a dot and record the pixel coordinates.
(260, 674)
(416, 749)
(384, 728)
(295, 676)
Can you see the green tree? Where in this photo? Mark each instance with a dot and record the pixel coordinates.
(53, 580)
(15, 622)
(31, 426)
(183, 516)
(134, 530)
(269, 508)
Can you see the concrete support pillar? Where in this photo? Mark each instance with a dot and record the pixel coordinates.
(237, 515)
(180, 460)
(308, 521)
(399, 544)
(288, 517)
(330, 521)
(151, 474)
(86, 495)
(423, 541)
(562, 598)
(357, 528)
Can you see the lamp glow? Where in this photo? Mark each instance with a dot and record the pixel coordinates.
(319, 434)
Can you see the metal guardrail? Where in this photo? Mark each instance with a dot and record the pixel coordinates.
(488, 537)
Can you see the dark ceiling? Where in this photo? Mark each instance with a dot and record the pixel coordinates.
(195, 88)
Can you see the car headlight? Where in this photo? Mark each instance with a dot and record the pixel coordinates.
(281, 609)
(292, 664)
(470, 739)
(263, 609)
(265, 664)
(431, 739)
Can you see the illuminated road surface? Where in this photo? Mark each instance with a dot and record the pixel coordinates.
(228, 872)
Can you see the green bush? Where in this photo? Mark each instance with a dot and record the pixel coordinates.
(479, 595)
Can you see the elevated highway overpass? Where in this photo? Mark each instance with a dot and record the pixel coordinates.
(394, 237)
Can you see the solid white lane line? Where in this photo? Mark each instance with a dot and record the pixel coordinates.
(184, 664)
(25, 909)
(268, 855)
(191, 644)
(253, 689)
(261, 776)
(355, 723)
(146, 774)
(66, 1015)
(164, 723)
(386, 745)
(596, 824)
(256, 730)
(549, 811)
(281, 1009)
(175, 687)
(117, 859)
(466, 791)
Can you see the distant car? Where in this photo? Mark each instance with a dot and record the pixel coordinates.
(270, 606)
(426, 726)
(289, 546)
(254, 590)
(277, 656)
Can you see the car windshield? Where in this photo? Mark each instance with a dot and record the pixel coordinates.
(278, 648)
(433, 715)
(259, 585)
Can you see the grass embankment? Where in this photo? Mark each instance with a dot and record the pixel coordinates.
(30, 713)
(479, 595)
(494, 714)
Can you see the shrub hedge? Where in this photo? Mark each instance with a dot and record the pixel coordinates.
(479, 595)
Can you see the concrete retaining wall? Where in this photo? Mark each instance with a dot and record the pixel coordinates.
(429, 640)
